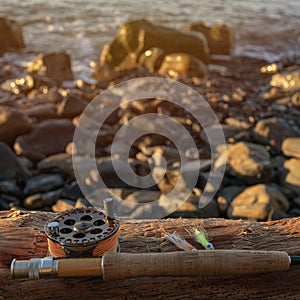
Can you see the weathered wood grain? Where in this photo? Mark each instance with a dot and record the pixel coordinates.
(21, 237)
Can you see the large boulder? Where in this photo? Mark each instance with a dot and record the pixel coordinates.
(10, 165)
(47, 138)
(220, 37)
(55, 65)
(247, 161)
(12, 124)
(182, 65)
(136, 37)
(258, 202)
(11, 36)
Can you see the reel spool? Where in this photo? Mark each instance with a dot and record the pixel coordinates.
(82, 232)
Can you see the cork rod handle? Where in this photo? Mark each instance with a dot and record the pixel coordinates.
(196, 263)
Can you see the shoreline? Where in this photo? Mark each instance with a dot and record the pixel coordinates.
(256, 102)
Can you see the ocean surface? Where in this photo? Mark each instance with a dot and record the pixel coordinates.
(264, 29)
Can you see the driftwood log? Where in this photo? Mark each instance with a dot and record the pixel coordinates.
(21, 237)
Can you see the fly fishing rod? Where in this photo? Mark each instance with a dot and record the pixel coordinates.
(84, 242)
(114, 266)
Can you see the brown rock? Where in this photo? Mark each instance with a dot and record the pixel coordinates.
(63, 204)
(286, 82)
(42, 200)
(295, 99)
(182, 65)
(229, 131)
(10, 166)
(226, 196)
(190, 209)
(71, 107)
(49, 137)
(247, 161)
(220, 38)
(19, 85)
(257, 202)
(55, 65)
(11, 36)
(152, 58)
(43, 183)
(289, 176)
(272, 132)
(136, 37)
(57, 163)
(83, 202)
(12, 124)
(170, 176)
(143, 196)
(11, 187)
(42, 112)
(291, 147)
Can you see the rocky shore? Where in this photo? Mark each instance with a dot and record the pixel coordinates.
(256, 102)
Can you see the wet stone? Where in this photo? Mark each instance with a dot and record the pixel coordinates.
(143, 35)
(55, 65)
(220, 37)
(182, 65)
(152, 58)
(11, 36)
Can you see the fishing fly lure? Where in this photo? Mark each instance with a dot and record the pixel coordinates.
(180, 242)
(201, 237)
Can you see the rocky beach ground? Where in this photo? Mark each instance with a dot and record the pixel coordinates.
(256, 102)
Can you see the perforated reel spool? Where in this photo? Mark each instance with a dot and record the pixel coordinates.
(80, 232)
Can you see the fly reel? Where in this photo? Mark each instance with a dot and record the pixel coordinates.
(83, 232)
